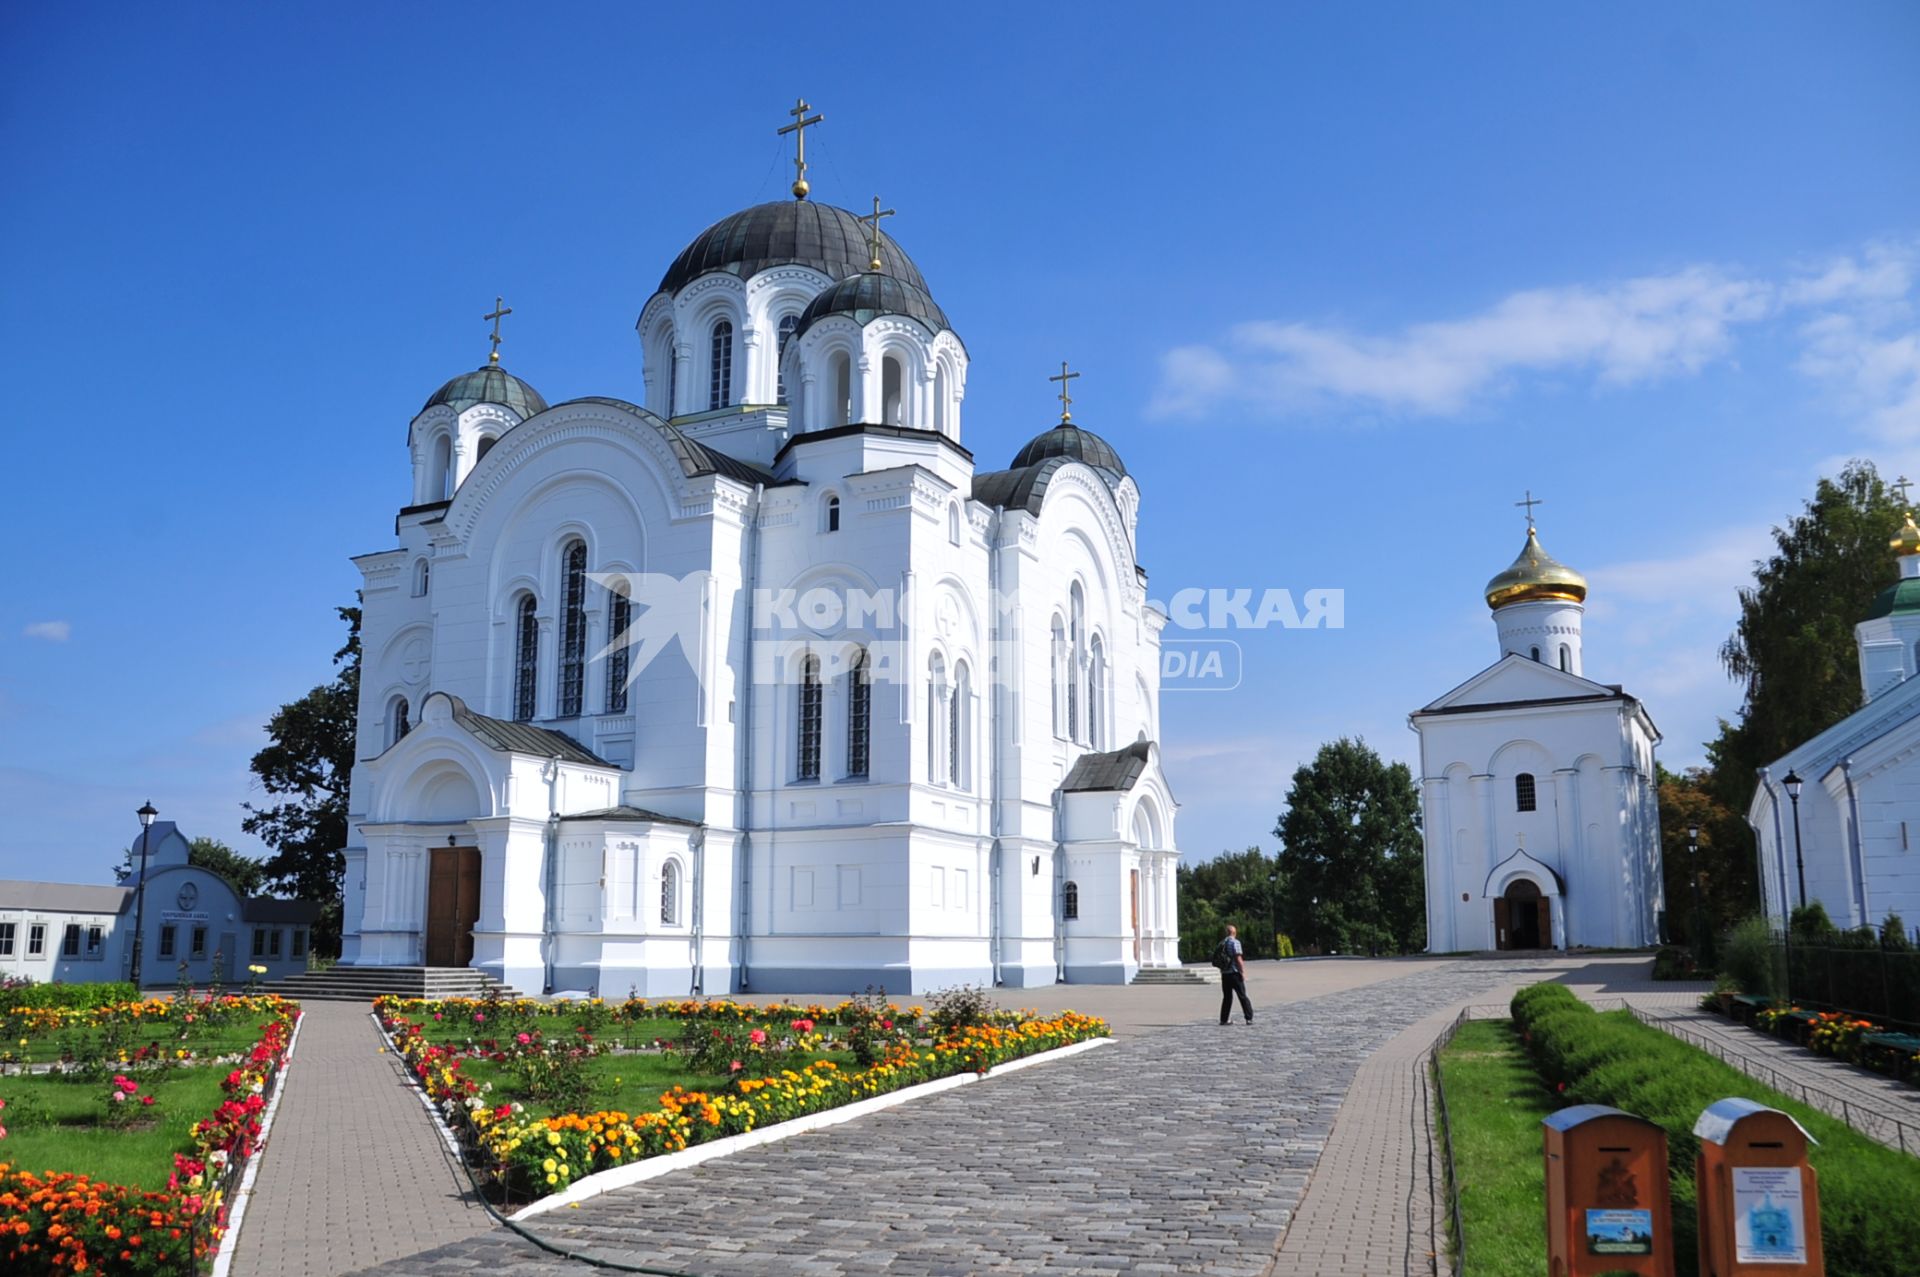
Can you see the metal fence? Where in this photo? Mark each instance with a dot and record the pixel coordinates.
(1874, 983)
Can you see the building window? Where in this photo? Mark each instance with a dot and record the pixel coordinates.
(1076, 649)
(486, 446)
(619, 617)
(273, 943)
(1535, 653)
(419, 578)
(831, 516)
(1070, 901)
(300, 942)
(841, 378)
(1523, 792)
(810, 705)
(70, 942)
(859, 714)
(199, 942)
(1566, 658)
(94, 937)
(1059, 677)
(939, 711)
(166, 941)
(6, 939)
(1096, 692)
(670, 894)
(893, 379)
(526, 661)
(788, 324)
(960, 729)
(259, 943)
(36, 939)
(573, 632)
(953, 523)
(720, 366)
(673, 377)
(397, 724)
(440, 479)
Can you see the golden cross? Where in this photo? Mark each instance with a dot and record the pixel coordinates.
(1901, 485)
(1066, 400)
(801, 123)
(1530, 502)
(499, 312)
(873, 238)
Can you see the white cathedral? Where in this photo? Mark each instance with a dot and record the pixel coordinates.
(757, 683)
(1540, 806)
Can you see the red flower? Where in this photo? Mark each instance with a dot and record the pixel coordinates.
(146, 1099)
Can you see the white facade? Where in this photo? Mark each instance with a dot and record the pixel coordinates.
(1539, 804)
(838, 757)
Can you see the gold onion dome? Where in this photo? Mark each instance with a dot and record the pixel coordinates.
(1534, 577)
(1908, 540)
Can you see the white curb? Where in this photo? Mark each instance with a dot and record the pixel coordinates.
(223, 1258)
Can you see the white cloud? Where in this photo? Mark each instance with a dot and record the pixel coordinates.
(51, 631)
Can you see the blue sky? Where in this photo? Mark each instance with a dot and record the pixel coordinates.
(1344, 281)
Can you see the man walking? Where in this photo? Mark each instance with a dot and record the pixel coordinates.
(1232, 961)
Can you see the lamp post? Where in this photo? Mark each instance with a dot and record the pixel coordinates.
(1793, 783)
(146, 814)
(1273, 907)
(1693, 880)
(1313, 921)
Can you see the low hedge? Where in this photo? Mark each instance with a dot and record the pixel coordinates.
(69, 997)
(1869, 1194)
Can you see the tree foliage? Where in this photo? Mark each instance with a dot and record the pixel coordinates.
(1242, 888)
(1728, 884)
(244, 872)
(1350, 839)
(308, 765)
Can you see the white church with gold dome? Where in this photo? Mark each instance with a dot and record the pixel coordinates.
(1540, 805)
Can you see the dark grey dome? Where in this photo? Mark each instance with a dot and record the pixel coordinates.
(1072, 442)
(830, 240)
(867, 296)
(489, 384)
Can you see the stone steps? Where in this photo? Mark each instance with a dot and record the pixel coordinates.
(1199, 973)
(364, 984)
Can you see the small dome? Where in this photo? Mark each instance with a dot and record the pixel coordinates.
(867, 296)
(1074, 443)
(828, 239)
(1907, 541)
(1535, 576)
(490, 383)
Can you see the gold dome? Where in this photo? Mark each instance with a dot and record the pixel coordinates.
(1535, 576)
(1908, 540)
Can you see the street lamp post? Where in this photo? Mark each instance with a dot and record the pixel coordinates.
(146, 814)
(1793, 783)
(1693, 880)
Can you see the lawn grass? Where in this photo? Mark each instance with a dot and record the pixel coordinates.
(1495, 1102)
(627, 1083)
(68, 1137)
(236, 1038)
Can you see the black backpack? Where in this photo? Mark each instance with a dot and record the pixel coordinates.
(1223, 957)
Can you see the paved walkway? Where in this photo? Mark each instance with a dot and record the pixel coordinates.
(1184, 1150)
(354, 1171)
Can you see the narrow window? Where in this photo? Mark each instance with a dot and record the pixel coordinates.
(619, 617)
(94, 936)
(941, 409)
(1523, 792)
(810, 703)
(440, 478)
(70, 942)
(273, 943)
(573, 632)
(1059, 677)
(1076, 651)
(673, 378)
(833, 514)
(6, 939)
(397, 724)
(720, 366)
(36, 939)
(486, 446)
(788, 323)
(1566, 658)
(1096, 692)
(859, 714)
(842, 383)
(670, 894)
(199, 942)
(1536, 653)
(937, 708)
(526, 661)
(953, 523)
(166, 941)
(959, 723)
(892, 391)
(420, 578)
(1070, 901)
(300, 943)
(259, 943)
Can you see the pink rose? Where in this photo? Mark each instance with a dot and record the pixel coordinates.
(757, 1036)
(523, 1038)
(736, 1067)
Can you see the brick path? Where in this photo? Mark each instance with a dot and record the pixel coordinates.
(1185, 1150)
(354, 1171)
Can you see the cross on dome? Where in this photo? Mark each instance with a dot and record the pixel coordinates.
(499, 312)
(1529, 503)
(1066, 400)
(873, 231)
(801, 123)
(1901, 485)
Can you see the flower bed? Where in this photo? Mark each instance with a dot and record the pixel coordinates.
(1842, 1036)
(526, 1153)
(67, 1221)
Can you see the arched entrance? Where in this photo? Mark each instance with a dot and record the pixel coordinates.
(1522, 917)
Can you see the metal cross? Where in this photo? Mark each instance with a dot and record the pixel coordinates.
(499, 313)
(1066, 400)
(873, 232)
(1901, 485)
(1530, 502)
(801, 123)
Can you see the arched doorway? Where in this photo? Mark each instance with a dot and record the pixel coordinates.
(1522, 917)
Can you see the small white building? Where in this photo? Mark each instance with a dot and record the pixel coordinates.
(81, 933)
(1539, 804)
(1858, 841)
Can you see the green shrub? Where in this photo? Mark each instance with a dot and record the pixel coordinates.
(1869, 1194)
(1748, 958)
(1893, 934)
(1811, 923)
(73, 997)
(1674, 962)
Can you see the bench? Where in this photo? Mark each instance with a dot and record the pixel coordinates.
(1895, 1049)
(1797, 1024)
(1746, 1005)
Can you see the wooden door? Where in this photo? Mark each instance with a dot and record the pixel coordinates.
(1545, 906)
(453, 905)
(1500, 939)
(1134, 880)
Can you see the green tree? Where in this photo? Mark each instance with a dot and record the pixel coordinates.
(1350, 841)
(309, 764)
(244, 872)
(1728, 888)
(1241, 888)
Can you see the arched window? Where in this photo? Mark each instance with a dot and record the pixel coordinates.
(673, 377)
(1523, 792)
(942, 410)
(1059, 652)
(960, 729)
(953, 522)
(486, 446)
(830, 515)
(1070, 901)
(573, 631)
(1076, 657)
(788, 324)
(526, 660)
(1096, 692)
(670, 894)
(809, 721)
(720, 366)
(893, 391)
(397, 724)
(419, 578)
(1536, 653)
(937, 707)
(840, 385)
(440, 474)
(859, 714)
(619, 617)
(1566, 658)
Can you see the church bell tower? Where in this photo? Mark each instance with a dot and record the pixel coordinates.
(1538, 604)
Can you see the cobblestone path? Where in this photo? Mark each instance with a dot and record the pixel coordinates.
(1181, 1151)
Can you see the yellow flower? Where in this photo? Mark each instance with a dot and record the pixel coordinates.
(547, 1165)
(553, 1179)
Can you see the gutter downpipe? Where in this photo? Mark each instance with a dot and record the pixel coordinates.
(698, 844)
(743, 799)
(1059, 889)
(1859, 856)
(550, 941)
(995, 926)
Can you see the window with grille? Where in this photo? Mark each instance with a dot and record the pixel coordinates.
(720, 366)
(166, 941)
(36, 939)
(859, 715)
(1070, 901)
(94, 937)
(619, 617)
(526, 661)
(810, 705)
(788, 323)
(670, 894)
(6, 939)
(573, 632)
(1523, 792)
(70, 942)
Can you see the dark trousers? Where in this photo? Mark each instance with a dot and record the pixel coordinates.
(1232, 983)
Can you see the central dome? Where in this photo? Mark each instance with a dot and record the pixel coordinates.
(490, 383)
(1535, 576)
(1074, 443)
(789, 232)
